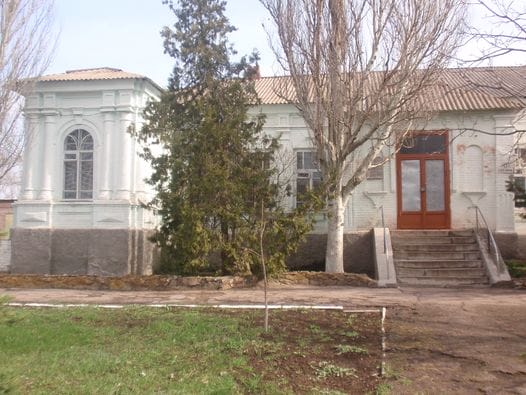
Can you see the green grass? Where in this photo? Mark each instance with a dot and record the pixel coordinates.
(516, 268)
(346, 348)
(134, 350)
(326, 369)
(383, 389)
(140, 350)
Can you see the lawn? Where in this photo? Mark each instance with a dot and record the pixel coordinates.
(144, 350)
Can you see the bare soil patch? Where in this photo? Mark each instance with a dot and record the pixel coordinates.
(324, 351)
(444, 349)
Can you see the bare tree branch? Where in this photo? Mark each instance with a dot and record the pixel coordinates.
(503, 31)
(26, 45)
(358, 73)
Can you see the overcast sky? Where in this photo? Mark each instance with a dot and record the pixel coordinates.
(125, 34)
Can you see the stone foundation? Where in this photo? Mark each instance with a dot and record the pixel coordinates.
(357, 253)
(119, 252)
(521, 246)
(508, 244)
(100, 252)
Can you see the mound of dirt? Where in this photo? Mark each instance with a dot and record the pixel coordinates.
(125, 283)
(325, 279)
(166, 283)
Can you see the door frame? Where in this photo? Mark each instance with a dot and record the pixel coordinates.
(447, 191)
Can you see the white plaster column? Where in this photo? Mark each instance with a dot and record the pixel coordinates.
(124, 169)
(48, 156)
(504, 206)
(106, 156)
(140, 175)
(30, 160)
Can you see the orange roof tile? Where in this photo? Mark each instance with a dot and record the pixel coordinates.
(101, 73)
(459, 89)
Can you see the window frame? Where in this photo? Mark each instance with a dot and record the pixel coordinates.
(311, 174)
(376, 169)
(83, 155)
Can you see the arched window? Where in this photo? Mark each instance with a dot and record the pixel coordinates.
(78, 165)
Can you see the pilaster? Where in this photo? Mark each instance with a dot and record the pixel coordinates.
(48, 155)
(123, 170)
(106, 184)
(504, 207)
(30, 161)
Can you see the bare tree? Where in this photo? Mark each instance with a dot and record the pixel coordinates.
(500, 34)
(26, 43)
(504, 28)
(358, 70)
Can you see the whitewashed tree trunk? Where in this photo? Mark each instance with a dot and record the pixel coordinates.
(360, 76)
(334, 251)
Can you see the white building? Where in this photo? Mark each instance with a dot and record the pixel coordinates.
(79, 209)
(80, 205)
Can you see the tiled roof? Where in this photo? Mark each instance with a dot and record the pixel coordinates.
(460, 89)
(102, 73)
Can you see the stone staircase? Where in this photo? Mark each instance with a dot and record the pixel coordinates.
(441, 258)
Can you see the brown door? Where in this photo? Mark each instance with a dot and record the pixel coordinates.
(422, 168)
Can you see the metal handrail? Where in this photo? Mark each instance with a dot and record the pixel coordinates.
(383, 227)
(491, 238)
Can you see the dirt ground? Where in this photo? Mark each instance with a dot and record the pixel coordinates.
(439, 341)
(457, 349)
(320, 352)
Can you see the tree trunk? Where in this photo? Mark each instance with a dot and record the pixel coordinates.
(334, 251)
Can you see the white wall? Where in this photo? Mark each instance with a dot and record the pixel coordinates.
(106, 109)
(479, 155)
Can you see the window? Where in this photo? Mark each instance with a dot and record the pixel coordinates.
(308, 175)
(78, 165)
(376, 170)
(424, 144)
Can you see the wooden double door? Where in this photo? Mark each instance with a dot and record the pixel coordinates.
(422, 168)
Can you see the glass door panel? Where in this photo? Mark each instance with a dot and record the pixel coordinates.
(435, 193)
(411, 185)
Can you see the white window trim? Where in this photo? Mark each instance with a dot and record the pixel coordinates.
(78, 153)
(302, 173)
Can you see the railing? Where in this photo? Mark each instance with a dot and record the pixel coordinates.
(383, 227)
(384, 263)
(492, 244)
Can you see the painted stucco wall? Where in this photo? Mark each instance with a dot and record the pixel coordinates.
(106, 109)
(479, 155)
(478, 161)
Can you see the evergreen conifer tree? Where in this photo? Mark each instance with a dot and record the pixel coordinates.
(215, 193)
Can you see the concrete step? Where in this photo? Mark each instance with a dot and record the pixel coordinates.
(455, 273)
(442, 258)
(437, 264)
(437, 255)
(432, 233)
(444, 281)
(435, 247)
(433, 240)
